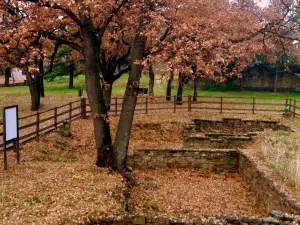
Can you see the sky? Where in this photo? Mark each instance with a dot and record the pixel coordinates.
(262, 3)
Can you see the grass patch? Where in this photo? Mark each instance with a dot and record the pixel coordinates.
(33, 200)
(281, 151)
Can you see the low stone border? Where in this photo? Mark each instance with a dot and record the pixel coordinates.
(276, 217)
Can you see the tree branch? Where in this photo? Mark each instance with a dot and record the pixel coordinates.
(118, 75)
(57, 45)
(59, 7)
(62, 40)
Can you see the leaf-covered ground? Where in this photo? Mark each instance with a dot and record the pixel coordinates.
(58, 193)
(178, 192)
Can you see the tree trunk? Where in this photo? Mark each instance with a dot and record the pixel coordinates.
(169, 86)
(33, 89)
(151, 80)
(241, 84)
(37, 83)
(35, 98)
(102, 134)
(196, 83)
(129, 103)
(180, 89)
(7, 74)
(107, 90)
(41, 78)
(275, 81)
(71, 79)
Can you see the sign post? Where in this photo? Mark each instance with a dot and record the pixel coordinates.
(11, 131)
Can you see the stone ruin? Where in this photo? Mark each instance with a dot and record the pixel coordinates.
(226, 133)
(283, 208)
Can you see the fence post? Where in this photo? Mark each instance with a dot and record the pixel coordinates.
(294, 114)
(175, 104)
(70, 112)
(116, 106)
(37, 126)
(290, 106)
(83, 108)
(221, 107)
(189, 103)
(146, 108)
(286, 102)
(253, 109)
(55, 118)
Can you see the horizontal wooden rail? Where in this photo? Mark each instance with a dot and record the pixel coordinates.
(35, 127)
(46, 119)
(27, 126)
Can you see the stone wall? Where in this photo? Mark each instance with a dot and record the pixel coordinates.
(271, 194)
(206, 160)
(232, 125)
(277, 217)
(263, 80)
(223, 142)
(226, 133)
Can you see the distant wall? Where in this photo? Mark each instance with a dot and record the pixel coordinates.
(266, 81)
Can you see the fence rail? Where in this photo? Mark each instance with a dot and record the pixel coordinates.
(32, 126)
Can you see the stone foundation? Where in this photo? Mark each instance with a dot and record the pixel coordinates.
(228, 133)
(233, 125)
(268, 192)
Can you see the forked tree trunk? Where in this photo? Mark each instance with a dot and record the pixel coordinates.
(151, 80)
(128, 106)
(196, 83)
(71, 78)
(102, 134)
(107, 91)
(169, 86)
(180, 89)
(7, 75)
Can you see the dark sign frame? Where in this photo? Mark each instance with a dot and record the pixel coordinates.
(15, 141)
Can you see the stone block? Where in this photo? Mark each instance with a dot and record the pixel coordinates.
(139, 220)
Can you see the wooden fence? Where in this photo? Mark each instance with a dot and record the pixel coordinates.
(34, 125)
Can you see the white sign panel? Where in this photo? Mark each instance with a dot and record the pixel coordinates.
(11, 124)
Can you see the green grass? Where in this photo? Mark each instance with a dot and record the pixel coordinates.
(60, 87)
(119, 87)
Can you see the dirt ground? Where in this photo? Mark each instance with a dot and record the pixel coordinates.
(177, 192)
